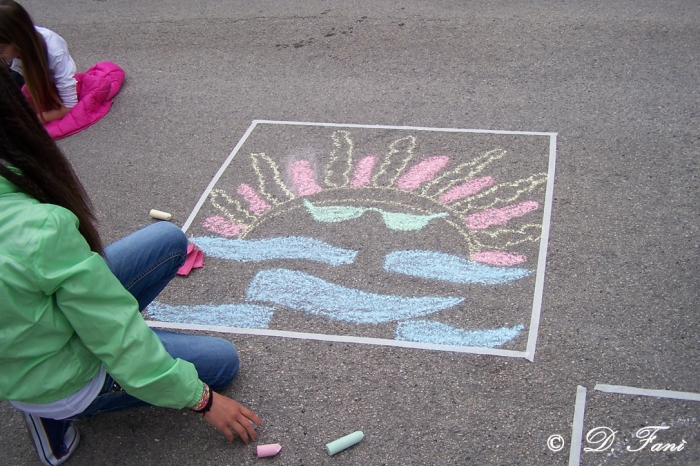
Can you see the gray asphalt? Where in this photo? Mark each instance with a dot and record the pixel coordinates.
(618, 82)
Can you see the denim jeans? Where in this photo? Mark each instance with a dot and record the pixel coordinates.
(145, 262)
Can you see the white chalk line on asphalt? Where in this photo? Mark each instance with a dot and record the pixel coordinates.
(336, 338)
(577, 428)
(622, 390)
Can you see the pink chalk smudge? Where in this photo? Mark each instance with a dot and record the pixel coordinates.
(422, 172)
(256, 203)
(490, 217)
(498, 258)
(363, 171)
(303, 178)
(224, 227)
(467, 189)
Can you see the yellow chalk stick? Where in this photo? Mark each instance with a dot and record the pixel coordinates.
(157, 214)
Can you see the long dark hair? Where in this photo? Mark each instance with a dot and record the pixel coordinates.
(47, 174)
(17, 28)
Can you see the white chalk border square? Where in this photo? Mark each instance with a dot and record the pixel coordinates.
(529, 352)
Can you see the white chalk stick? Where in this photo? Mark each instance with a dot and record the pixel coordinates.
(157, 214)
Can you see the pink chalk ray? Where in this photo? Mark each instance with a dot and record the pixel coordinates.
(499, 258)
(363, 171)
(256, 204)
(303, 178)
(467, 189)
(224, 227)
(499, 216)
(422, 172)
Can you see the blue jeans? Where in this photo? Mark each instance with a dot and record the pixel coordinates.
(145, 262)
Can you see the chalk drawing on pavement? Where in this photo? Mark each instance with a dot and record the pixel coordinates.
(496, 217)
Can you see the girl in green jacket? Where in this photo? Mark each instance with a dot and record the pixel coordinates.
(73, 341)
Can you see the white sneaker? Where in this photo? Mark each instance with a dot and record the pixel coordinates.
(46, 436)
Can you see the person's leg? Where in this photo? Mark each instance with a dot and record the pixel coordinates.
(111, 398)
(54, 441)
(146, 260)
(215, 359)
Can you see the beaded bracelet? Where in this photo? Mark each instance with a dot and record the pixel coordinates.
(204, 403)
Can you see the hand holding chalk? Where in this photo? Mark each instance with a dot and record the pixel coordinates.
(159, 215)
(226, 414)
(344, 442)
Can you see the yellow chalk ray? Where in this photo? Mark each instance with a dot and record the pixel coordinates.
(242, 215)
(341, 161)
(399, 149)
(262, 163)
(503, 238)
(505, 193)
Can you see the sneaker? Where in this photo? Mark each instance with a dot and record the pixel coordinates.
(54, 440)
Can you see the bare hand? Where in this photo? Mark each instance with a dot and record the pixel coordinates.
(226, 414)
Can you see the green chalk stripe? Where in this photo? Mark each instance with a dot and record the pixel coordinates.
(344, 442)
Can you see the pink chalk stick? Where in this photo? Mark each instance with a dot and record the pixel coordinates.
(256, 203)
(467, 189)
(268, 450)
(422, 172)
(303, 178)
(489, 217)
(363, 171)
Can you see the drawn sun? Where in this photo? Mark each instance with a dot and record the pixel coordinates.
(419, 247)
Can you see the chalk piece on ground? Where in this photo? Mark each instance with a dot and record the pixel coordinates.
(157, 214)
(344, 442)
(268, 450)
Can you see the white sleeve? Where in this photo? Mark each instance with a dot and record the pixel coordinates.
(64, 78)
(61, 66)
(16, 66)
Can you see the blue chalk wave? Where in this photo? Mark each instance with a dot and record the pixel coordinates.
(300, 291)
(233, 315)
(287, 247)
(423, 331)
(447, 267)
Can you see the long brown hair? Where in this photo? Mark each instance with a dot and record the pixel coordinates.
(47, 174)
(17, 28)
